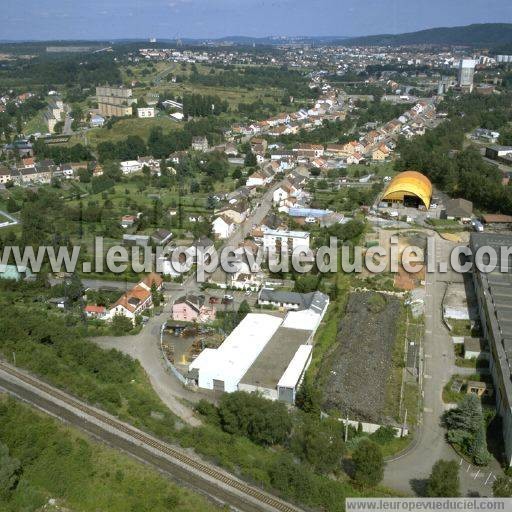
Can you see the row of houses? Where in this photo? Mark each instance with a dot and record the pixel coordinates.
(131, 304)
(328, 107)
(43, 171)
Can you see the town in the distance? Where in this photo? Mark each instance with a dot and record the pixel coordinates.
(256, 387)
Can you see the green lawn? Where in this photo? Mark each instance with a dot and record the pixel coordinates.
(36, 124)
(129, 126)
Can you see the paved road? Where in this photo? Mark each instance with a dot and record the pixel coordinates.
(182, 465)
(67, 130)
(409, 472)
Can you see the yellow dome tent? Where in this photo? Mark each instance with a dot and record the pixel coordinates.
(409, 184)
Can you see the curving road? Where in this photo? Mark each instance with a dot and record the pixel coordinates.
(408, 472)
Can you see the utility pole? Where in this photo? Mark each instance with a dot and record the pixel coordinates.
(346, 429)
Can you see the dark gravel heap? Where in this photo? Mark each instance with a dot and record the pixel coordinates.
(360, 364)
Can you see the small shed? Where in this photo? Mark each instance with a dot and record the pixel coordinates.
(479, 388)
(475, 348)
(458, 209)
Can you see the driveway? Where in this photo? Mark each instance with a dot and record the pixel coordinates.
(145, 348)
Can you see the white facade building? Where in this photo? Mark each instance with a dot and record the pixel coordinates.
(146, 112)
(276, 241)
(223, 227)
(130, 166)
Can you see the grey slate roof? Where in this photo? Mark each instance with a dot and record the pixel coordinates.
(314, 300)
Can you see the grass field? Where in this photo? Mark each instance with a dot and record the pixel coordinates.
(129, 126)
(36, 124)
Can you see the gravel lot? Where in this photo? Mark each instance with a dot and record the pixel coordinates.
(359, 366)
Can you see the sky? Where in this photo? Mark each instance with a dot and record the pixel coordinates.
(119, 19)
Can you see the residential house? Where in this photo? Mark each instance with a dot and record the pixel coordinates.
(127, 221)
(96, 121)
(356, 158)
(146, 112)
(192, 308)
(335, 150)
(5, 175)
(152, 163)
(203, 244)
(161, 237)
(96, 312)
(223, 227)
(137, 300)
(352, 147)
(309, 150)
(136, 240)
(130, 166)
(277, 241)
(200, 144)
(381, 153)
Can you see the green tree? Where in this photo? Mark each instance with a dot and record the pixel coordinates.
(466, 428)
(243, 310)
(368, 463)
(263, 421)
(156, 296)
(10, 471)
(444, 480)
(250, 159)
(319, 442)
(121, 325)
(502, 487)
(309, 396)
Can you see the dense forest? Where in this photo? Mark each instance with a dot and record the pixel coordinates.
(473, 35)
(49, 71)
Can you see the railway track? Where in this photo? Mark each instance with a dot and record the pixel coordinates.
(192, 464)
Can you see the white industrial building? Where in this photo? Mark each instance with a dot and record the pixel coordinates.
(221, 369)
(265, 353)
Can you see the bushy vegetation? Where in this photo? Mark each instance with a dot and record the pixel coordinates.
(466, 429)
(161, 144)
(40, 459)
(46, 344)
(294, 82)
(444, 480)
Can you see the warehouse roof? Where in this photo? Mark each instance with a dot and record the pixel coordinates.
(409, 183)
(240, 349)
(294, 371)
(275, 358)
